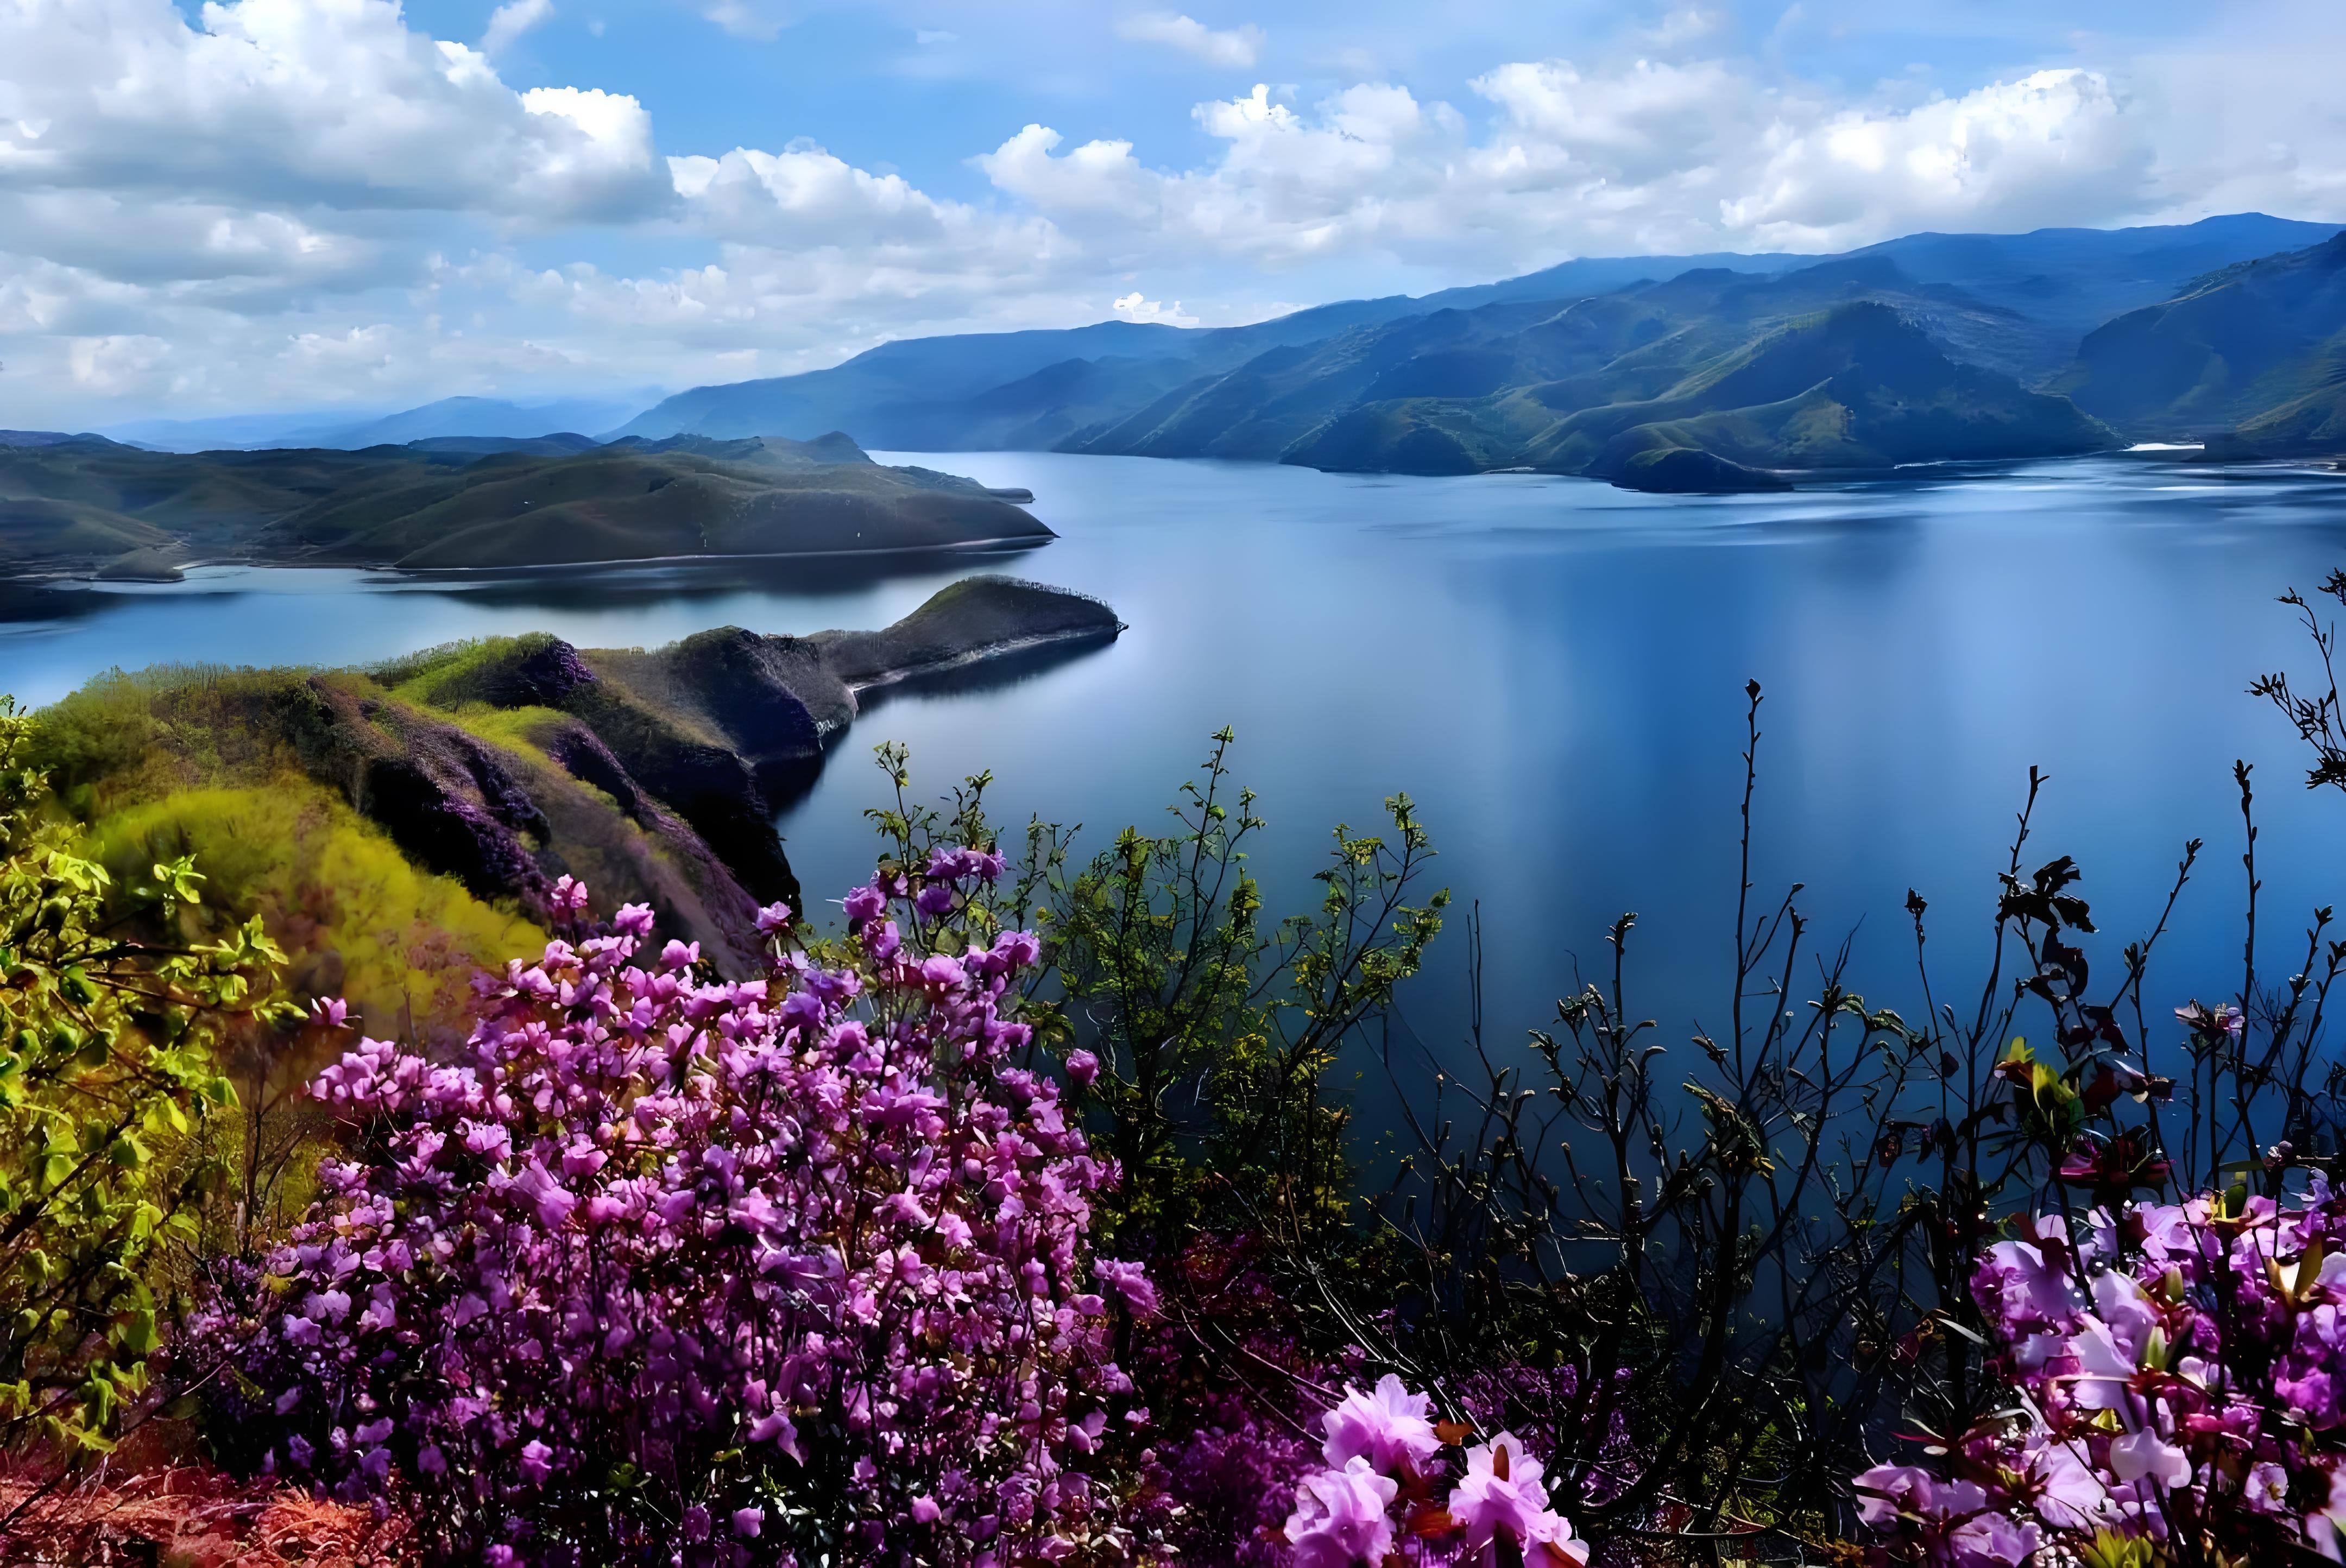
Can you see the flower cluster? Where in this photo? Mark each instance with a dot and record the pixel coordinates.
(669, 1269)
(2177, 1372)
(1374, 1498)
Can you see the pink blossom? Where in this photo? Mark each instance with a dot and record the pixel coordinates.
(1341, 1518)
(1387, 1425)
(1502, 1498)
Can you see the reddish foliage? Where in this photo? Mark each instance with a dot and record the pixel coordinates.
(187, 1515)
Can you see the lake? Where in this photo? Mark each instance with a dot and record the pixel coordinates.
(1554, 669)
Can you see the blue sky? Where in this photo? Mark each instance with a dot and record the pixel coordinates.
(266, 204)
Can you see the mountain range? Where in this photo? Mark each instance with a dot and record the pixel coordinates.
(1930, 347)
(327, 429)
(2253, 355)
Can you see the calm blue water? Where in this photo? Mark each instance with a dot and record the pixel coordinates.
(1554, 670)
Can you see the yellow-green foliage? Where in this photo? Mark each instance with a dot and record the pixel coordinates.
(355, 918)
(123, 739)
(109, 1081)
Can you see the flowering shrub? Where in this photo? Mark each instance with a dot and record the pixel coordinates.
(2177, 1372)
(109, 1084)
(1374, 1497)
(663, 1269)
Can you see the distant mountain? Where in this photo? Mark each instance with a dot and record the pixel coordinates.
(2259, 347)
(2067, 281)
(473, 417)
(1632, 344)
(454, 418)
(51, 438)
(230, 431)
(1857, 386)
(1606, 329)
(936, 393)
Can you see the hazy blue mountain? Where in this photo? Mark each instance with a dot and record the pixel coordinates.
(934, 393)
(233, 432)
(2016, 304)
(2067, 281)
(474, 418)
(1362, 398)
(2259, 346)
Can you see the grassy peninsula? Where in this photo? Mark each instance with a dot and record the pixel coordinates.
(399, 826)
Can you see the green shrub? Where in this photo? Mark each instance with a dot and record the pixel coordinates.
(107, 1085)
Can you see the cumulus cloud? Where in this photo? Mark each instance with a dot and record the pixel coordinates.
(511, 20)
(1647, 155)
(2041, 151)
(282, 202)
(1237, 49)
(1132, 306)
(333, 101)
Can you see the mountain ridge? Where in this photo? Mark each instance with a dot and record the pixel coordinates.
(2015, 304)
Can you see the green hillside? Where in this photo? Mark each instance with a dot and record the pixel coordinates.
(1857, 386)
(2259, 348)
(397, 826)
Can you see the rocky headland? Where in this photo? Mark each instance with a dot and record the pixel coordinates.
(651, 774)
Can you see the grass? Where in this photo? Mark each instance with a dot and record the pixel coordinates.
(355, 918)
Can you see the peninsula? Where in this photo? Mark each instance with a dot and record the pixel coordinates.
(82, 505)
(506, 764)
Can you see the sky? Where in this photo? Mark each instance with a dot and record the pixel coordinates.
(281, 205)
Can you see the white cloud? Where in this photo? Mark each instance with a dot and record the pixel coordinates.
(293, 202)
(1237, 49)
(327, 102)
(1133, 308)
(2049, 149)
(1645, 156)
(511, 20)
(1685, 24)
(759, 19)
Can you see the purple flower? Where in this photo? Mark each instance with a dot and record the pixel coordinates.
(1129, 1280)
(537, 1463)
(1387, 1425)
(2144, 1455)
(1340, 1517)
(831, 1188)
(1502, 1497)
